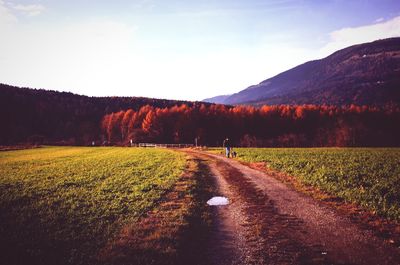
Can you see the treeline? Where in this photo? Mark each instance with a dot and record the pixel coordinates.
(50, 117)
(306, 125)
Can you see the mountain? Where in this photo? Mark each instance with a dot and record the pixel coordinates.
(364, 74)
(217, 99)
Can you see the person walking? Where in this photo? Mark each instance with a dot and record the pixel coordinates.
(227, 146)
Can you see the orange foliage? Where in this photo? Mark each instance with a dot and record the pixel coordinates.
(284, 125)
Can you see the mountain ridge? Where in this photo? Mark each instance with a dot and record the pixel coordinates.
(363, 74)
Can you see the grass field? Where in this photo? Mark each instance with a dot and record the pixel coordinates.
(367, 176)
(60, 205)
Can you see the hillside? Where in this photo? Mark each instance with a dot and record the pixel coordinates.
(36, 115)
(365, 74)
(217, 99)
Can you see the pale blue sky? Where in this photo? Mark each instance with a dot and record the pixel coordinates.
(176, 49)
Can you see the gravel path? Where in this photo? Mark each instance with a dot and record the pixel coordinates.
(268, 222)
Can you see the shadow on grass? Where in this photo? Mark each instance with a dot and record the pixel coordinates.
(176, 232)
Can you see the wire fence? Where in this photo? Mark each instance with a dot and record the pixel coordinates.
(162, 145)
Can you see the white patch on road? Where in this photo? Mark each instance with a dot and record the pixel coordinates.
(218, 200)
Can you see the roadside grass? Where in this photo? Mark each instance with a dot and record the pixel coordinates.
(61, 205)
(369, 177)
(176, 232)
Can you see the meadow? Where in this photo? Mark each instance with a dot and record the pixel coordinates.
(369, 177)
(64, 205)
(60, 205)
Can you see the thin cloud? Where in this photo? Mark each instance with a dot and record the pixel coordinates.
(240, 7)
(379, 20)
(6, 17)
(345, 37)
(30, 10)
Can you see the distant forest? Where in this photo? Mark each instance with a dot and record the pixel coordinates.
(48, 117)
(61, 118)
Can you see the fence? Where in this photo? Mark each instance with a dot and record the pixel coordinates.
(163, 145)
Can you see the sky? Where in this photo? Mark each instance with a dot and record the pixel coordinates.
(177, 49)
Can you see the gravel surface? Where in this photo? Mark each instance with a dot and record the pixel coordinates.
(268, 222)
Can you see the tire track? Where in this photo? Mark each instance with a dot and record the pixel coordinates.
(274, 224)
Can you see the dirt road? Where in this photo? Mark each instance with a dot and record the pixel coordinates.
(268, 222)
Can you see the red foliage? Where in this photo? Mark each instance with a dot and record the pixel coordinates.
(284, 125)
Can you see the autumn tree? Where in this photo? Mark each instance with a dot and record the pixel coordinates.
(284, 125)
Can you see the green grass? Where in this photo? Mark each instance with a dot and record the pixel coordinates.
(62, 204)
(369, 177)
